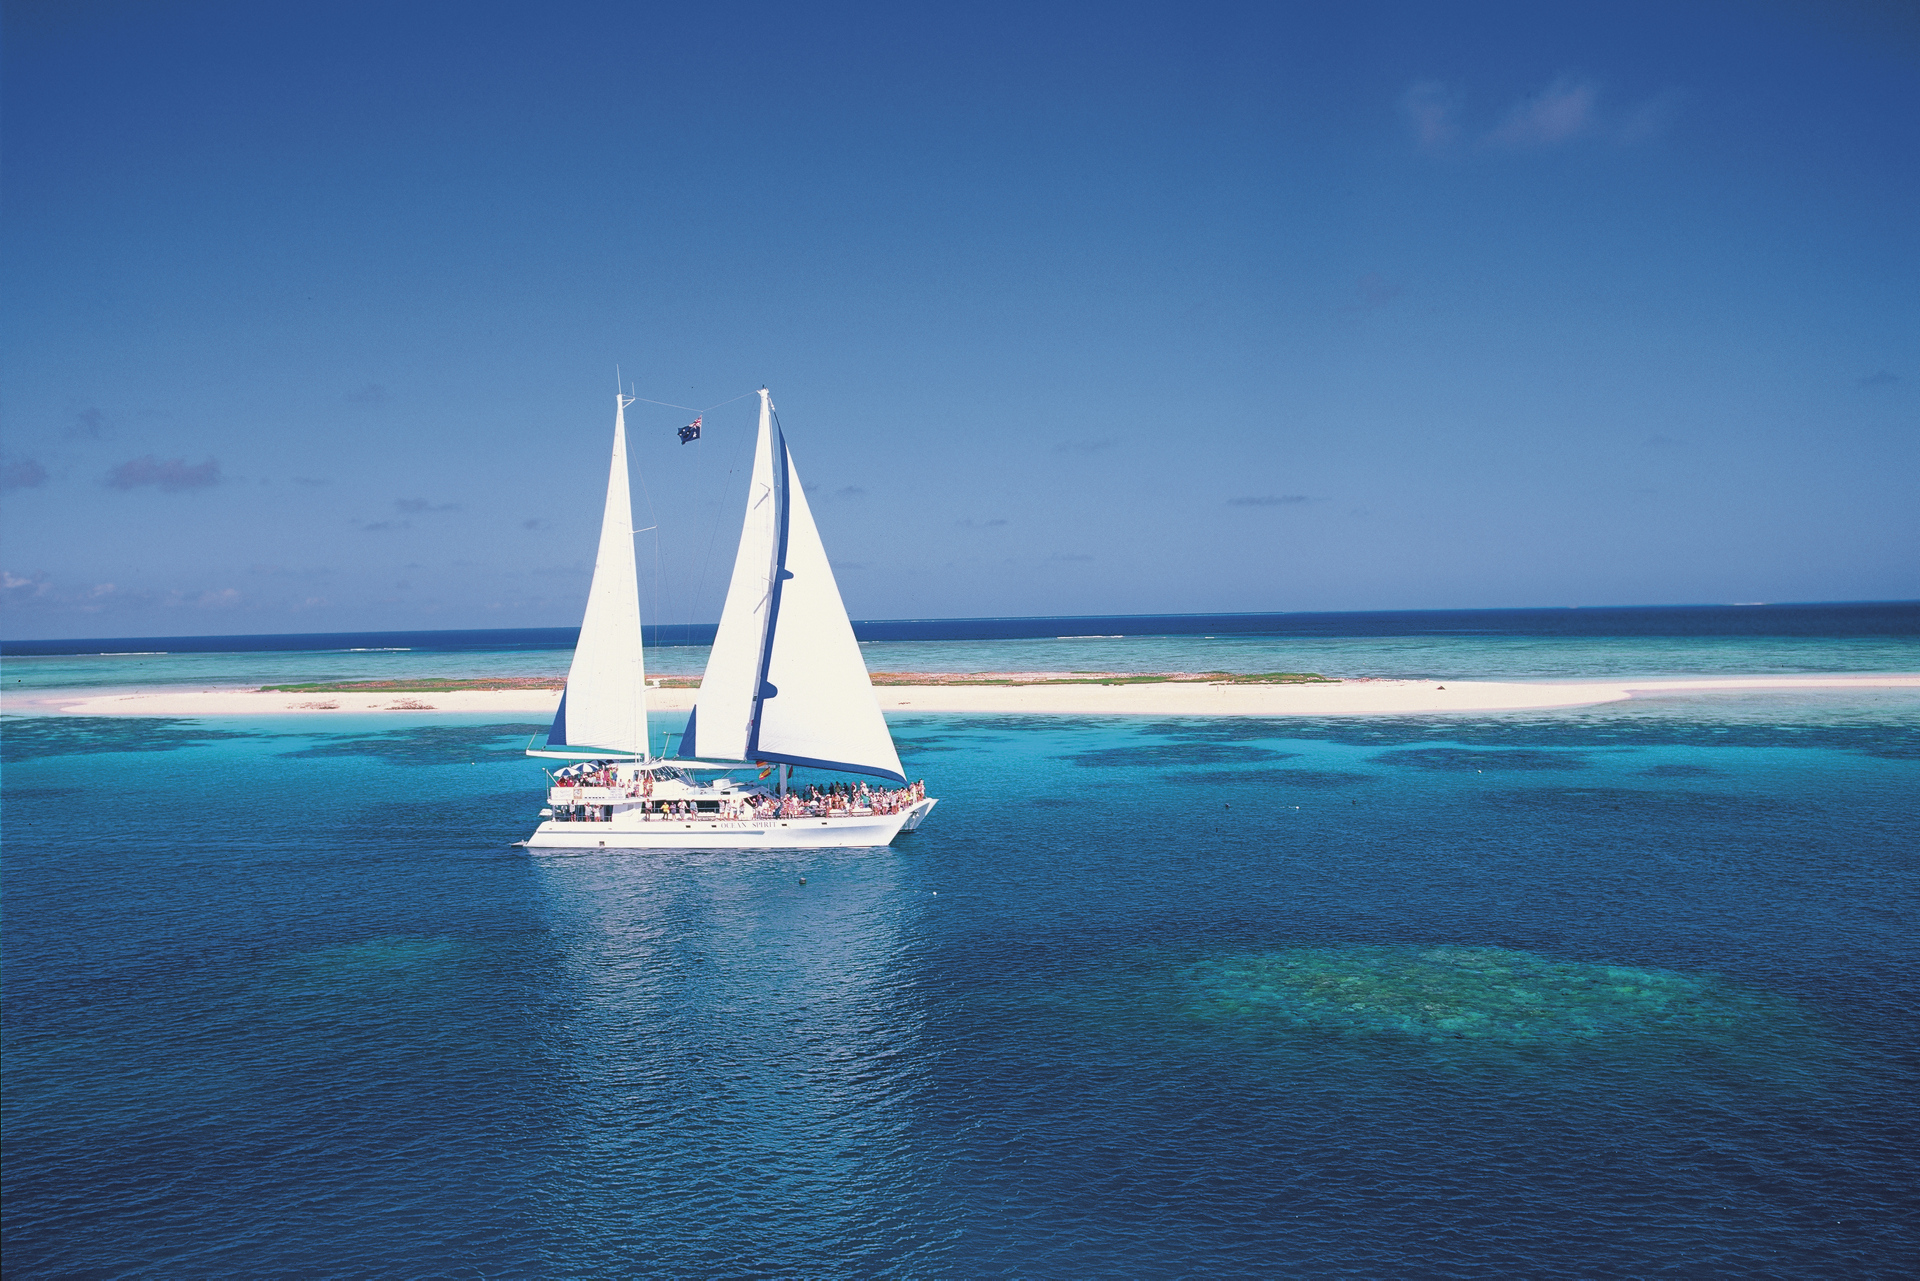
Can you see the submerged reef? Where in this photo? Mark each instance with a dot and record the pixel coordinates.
(1486, 994)
(387, 966)
(1308, 778)
(1465, 760)
(1160, 755)
(29, 738)
(1893, 736)
(427, 744)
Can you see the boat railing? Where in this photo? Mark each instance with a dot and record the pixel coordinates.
(595, 795)
(596, 804)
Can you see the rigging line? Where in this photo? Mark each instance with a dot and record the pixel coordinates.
(689, 408)
(656, 584)
(706, 561)
(710, 408)
(647, 492)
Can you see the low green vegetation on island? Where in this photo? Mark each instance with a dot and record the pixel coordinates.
(443, 685)
(1282, 678)
(1102, 678)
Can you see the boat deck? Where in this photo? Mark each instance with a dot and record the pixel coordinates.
(635, 830)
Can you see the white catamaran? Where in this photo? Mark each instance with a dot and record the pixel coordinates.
(785, 685)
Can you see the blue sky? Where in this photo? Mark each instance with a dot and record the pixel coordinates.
(312, 312)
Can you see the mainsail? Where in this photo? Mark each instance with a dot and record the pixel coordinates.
(604, 707)
(785, 681)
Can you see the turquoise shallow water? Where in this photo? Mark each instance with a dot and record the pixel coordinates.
(1622, 991)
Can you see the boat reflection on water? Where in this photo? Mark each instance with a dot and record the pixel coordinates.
(742, 1052)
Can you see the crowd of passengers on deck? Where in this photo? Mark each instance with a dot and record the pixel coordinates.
(837, 800)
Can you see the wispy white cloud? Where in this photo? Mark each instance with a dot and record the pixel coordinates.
(1371, 292)
(21, 473)
(89, 424)
(1569, 109)
(171, 475)
(283, 571)
(41, 593)
(1432, 112)
(1561, 112)
(211, 598)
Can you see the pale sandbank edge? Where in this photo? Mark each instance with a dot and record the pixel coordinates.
(1344, 698)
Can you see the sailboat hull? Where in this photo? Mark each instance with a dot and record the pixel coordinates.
(631, 831)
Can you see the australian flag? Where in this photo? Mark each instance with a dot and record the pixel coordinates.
(691, 432)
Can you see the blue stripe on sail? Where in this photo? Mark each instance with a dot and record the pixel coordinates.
(557, 736)
(845, 767)
(763, 690)
(687, 748)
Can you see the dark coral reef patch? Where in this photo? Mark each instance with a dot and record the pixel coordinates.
(29, 738)
(1460, 759)
(1161, 755)
(1452, 993)
(427, 744)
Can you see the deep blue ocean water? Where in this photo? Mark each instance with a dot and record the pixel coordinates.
(1819, 621)
(1618, 992)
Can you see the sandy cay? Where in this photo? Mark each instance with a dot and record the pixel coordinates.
(1341, 698)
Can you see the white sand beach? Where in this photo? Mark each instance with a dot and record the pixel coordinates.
(1183, 698)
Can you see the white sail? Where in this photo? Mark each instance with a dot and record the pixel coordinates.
(817, 705)
(723, 711)
(604, 706)
(786, 681)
